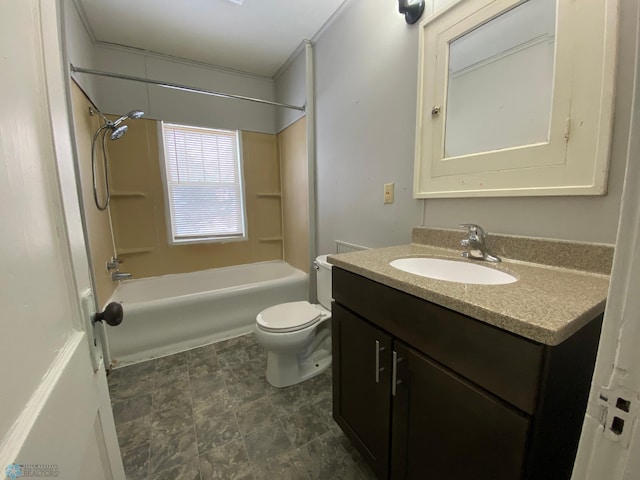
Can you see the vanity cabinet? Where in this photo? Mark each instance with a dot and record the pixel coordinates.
(364, 387)
(427, 393)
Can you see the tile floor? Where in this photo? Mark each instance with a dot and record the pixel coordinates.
(209, 413)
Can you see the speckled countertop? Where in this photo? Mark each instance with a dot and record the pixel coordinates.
(547, 304)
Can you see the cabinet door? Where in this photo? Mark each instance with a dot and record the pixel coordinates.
(445, 428)
(361, 386)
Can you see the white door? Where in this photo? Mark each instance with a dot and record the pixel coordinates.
(55, 412)
(610, 443)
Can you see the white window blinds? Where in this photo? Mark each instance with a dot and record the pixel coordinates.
(203, 183)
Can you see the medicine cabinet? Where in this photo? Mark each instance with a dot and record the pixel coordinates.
(515, 98)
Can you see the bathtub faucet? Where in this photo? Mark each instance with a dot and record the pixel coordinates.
(114, 264)
(115, 276)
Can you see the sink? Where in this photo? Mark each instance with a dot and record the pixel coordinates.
(453, 271)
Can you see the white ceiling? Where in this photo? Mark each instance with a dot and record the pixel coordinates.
(257, 36)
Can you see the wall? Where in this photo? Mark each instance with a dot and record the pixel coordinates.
(366, 74)
(78, 45)
(291, 88)
(98, 225)
(138, 207)
(366, 69)
(120, 96)
(295, 194)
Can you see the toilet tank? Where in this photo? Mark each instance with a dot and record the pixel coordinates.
(323, 281)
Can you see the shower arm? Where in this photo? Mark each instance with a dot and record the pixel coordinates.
(95, 111)
(135, 114)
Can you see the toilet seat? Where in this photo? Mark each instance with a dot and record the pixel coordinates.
(289, 317)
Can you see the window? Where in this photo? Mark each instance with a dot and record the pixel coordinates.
(203, 184)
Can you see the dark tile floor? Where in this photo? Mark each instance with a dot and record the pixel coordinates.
(209, 413)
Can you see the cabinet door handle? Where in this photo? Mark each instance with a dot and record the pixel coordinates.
(394, 373)
(377, 361)
(378, 368)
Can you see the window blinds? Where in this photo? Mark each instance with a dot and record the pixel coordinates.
(204, 184)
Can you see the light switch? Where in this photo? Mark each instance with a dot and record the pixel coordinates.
(388, 193)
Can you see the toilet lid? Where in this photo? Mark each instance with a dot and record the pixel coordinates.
(287, 317)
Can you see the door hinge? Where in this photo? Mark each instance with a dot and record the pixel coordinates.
(620, 409)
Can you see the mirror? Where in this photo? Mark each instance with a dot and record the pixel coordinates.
(515, 98)
(495, 100)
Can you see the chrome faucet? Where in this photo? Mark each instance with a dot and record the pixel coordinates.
(114, 264)
(113, 267)
(115, 276)
(476, 241)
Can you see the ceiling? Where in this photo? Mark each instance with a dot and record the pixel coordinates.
(255, 36)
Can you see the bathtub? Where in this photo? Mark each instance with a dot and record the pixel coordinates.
(171, 313)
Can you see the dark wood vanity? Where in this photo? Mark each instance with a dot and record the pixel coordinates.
(428, 393)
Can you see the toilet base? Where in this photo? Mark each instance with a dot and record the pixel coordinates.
(285, 369)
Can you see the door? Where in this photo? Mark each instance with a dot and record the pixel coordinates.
(55, 419)
(445, 428)
(361, 391)
(610, 442)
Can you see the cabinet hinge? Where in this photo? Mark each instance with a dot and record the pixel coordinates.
(620, 409)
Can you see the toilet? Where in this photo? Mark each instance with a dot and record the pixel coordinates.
(297, 335)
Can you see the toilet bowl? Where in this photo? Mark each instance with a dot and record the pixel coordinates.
(297, 335)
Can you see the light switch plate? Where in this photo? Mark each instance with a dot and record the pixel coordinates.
(388, 193)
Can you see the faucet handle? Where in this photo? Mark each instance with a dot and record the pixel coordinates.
(114, 264)
(473, 229)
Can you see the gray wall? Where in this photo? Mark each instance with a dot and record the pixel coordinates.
(78, 45)
(366, 74)
(366, 69)
(119, 96)
(291, 88)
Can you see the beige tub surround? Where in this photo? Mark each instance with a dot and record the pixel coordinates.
(97, 223)
(292, 142)
(547, 304)
(139, 214)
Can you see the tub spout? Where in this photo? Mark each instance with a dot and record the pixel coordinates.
(115, 276)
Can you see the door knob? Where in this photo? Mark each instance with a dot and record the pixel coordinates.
(112, 314)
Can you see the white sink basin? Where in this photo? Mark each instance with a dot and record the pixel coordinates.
(453, 271)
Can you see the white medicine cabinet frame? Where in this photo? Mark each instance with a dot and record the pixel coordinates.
(515, 109)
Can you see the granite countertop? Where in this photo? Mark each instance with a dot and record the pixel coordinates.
(547, 304)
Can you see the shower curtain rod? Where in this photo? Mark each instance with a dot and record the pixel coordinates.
(177, 86)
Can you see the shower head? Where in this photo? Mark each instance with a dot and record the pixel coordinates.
(132, 114)
(119, 132)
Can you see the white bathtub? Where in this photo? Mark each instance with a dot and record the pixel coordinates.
(168, 314)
